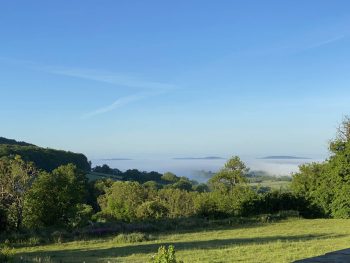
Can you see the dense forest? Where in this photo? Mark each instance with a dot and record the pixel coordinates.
(14, 142)
(43, 158)
(48, 193)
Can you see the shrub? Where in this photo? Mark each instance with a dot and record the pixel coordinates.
(209, 205)
(6, 255)
(152, 185)
(165, 255)
(14, 237)
(34, 241)
(267, 218)
(37, 259)
(82, 215)
(132, 238)
(59, 236)
(179, 203)
(288, 213)
(54, 198)
(151, 210)
(183, 184)
(340, 206)
(102, 217)
(3, 219)
(170, 178)
(122, 199)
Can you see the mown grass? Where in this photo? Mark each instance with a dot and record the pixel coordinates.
(273, 242)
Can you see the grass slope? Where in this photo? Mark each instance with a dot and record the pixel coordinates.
(278, 242)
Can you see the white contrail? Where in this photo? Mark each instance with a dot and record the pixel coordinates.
(326, 42)
(150, 88)
(116, 104)
(112, 78)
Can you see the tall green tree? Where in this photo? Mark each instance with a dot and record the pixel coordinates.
(55, 198)
(170, 178)
(179, 203)
(16, 177)
(122, 200)
(232, 174)
(326, 185)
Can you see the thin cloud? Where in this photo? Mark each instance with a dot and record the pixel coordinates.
(116, 104)
(150, 88)
(112, 78)
(325, 42)
(95, 75)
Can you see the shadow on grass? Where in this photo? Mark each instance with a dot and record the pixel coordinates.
(222, 227)
(96, 254)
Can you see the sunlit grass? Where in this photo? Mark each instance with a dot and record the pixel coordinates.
(278, 242)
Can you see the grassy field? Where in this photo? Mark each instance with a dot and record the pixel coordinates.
(275, 242)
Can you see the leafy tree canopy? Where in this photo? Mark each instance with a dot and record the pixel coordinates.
(43, 158)
(233, 173)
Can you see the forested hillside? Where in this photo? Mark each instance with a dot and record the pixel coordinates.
(14, 142)
(43, 158)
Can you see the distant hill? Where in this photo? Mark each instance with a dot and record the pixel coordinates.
(13, 142)
(199, 158)
(117, 159)
(284, 157)
(44, 158)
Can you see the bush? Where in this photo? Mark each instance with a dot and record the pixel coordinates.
(132, 238)
(25, 238)
(37, 259)
(288, 213)
(268, 218)
(3, 219)
(209, 205)
(340, 206)
(82, 216)
(151, 210)
(102, 217)
(59, 236)
(122, 200)
(6, 255)
(14, 237)
(276, 201)
(179, 203)
(34, 241)
(54, 198)
(165, 255)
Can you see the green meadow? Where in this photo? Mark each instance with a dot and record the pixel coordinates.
(283, 241)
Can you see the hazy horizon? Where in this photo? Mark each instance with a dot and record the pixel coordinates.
(192, 168)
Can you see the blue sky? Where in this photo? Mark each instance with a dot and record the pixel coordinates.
(139, 78)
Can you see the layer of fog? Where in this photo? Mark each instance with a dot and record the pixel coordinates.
(198, 169)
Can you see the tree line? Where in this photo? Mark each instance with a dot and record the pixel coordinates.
(326, 185)
(34, 198)
(152, 179)
(43, 158)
